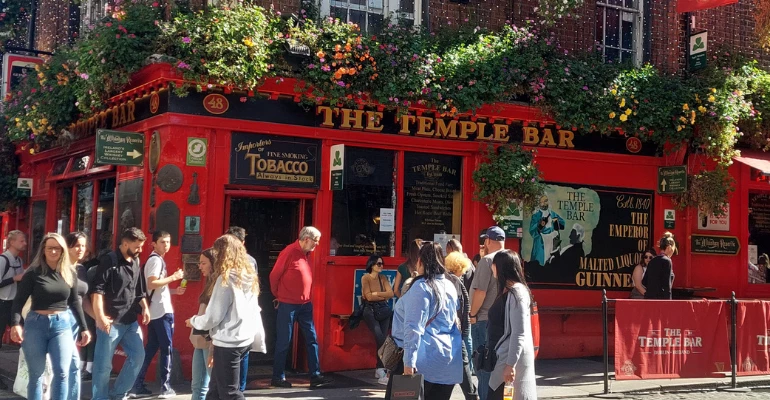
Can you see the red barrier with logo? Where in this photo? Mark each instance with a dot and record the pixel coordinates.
(670, 339)
(753, 337)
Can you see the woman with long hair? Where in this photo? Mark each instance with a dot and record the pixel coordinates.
(425, 327)
(76, 248)
(376, 291)
(201, 340)
(638, 275)
(510, 329)
(51, 284)
(408, 269)
(457, 264)
(230, 317)
(659, 277)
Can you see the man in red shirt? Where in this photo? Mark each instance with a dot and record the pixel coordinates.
(291, 281)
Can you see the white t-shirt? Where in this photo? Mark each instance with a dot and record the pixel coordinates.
(161, 298)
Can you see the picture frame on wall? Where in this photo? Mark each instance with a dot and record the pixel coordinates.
(192, 224)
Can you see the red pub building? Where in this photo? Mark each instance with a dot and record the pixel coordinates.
(210, 160)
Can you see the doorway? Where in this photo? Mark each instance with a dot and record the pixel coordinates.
(271, 224)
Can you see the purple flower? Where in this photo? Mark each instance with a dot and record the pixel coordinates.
(341, 83)
(183, 65)
(326, 68)
(186, 39)
(585, 88)
(311, 66)
(84, 76)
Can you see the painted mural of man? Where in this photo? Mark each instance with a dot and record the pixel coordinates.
(544, 228)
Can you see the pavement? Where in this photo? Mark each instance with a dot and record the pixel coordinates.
(557, 379)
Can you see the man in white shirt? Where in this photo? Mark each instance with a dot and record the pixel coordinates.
(12, 271)
(161, 327)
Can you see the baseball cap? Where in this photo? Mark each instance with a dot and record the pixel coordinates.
(495, 233)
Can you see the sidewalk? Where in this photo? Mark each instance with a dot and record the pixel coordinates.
(557, 379)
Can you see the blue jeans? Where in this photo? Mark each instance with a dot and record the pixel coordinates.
(48, 335)
(159, 334)
(479, 337)
(74, 382)
(201, 374)
(129, 337)
(285, 317)
(244, 371)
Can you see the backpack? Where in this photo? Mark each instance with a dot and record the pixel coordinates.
(91, 273)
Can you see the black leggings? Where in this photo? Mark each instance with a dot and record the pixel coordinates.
(379, 329)
(225, 381)
(467, 385)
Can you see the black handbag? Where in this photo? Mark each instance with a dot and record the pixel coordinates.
(390, 353)
(484, 358)
(380, 309)
(407, 387)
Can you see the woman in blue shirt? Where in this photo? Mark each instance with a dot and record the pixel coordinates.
(425, 326)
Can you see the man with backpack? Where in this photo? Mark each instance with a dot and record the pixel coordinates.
(118, 294)
(161, 328)
(11, 267)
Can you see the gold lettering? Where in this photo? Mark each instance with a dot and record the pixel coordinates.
(373, 120)
(405, 121)
(501, 133)
(115, 117)
(530, 135)
(356, 117)
(131, 111)
(565, 139)
(425, 126)
(253, 161)
(548, 139)
(327, 116)
(444, 130)
(466, 128)
(482, 135)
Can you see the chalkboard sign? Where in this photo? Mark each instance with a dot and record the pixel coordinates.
(274, 161)
(759, 221)
(432, 195)
(709, 244)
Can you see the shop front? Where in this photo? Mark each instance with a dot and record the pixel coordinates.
(372, 181)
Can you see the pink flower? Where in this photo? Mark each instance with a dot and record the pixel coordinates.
(186, 39)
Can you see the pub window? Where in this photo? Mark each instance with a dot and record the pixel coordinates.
(619, 26)
(105, 216)
(80, 164)
(759, 237)
(64, 210)
(88, 206)
(432, 198)
(37, 228)
(84, 207)
(372, 15)
(369, 187)
(59, 167)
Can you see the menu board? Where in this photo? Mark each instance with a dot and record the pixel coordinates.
(759, 221)
(432, 195)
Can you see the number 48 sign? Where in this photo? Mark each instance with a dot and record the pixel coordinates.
(216, 104)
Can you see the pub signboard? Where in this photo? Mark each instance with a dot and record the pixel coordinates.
(267, 160)
(586, 237)
(713, 244)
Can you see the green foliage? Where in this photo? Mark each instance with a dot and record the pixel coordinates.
(708, 191)
(507, 173)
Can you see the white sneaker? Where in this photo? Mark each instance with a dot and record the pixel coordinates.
(380, 372)
(383, 380)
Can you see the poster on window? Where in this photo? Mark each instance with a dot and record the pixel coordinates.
(586, 237)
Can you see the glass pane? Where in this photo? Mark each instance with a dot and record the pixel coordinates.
(84, 207)
(630, 4)
(341, 13)
(759, 236)
(611, 55)
(358, 17)
(432, 197)
(64, 210)
(129, 205)
(615, 2)
(38, 226)
(406, 6)
(612, 28)
(627, 56)
(80, 163)
(628, 31)
(369, 185)
(375, 23)
(105, 216)
(59, 167)
(600, 25)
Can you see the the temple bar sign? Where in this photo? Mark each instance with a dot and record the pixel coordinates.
(447, 128)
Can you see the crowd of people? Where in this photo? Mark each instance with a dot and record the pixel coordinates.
(74, 311)
(653, 276)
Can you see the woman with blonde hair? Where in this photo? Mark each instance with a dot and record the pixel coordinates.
(230, 317)
(659, 277)
(201, 340)
(51, 284)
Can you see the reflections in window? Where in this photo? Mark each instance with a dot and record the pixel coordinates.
(759, 237)
(80, 163)
(432, 197)
(369, 186)
(84, 207)
(38, 227)
(105, 216)
(64, 210)
(619, 30)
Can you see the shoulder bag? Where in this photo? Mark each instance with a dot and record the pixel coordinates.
(484, 357)
(380, 309)
(390, 354)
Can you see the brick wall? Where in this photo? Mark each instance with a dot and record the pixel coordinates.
(282, 6)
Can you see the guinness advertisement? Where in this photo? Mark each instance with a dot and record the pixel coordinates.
(427, 125)
(586, 237)
(274, 161)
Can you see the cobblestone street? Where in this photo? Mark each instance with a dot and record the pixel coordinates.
(697, 395)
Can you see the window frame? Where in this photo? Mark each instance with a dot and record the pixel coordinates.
(637, 34)
(96, 189)
(390, 11)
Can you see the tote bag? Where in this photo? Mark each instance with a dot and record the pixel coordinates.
(407, 387)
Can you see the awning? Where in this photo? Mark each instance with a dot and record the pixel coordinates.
(755, 159)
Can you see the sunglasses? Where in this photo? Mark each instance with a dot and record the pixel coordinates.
(648, 257)
(380, 263)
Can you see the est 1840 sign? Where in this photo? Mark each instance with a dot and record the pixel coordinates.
(119, 148)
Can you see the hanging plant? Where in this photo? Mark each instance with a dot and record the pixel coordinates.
(507, 173)
(708, 191)
(762, 19)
